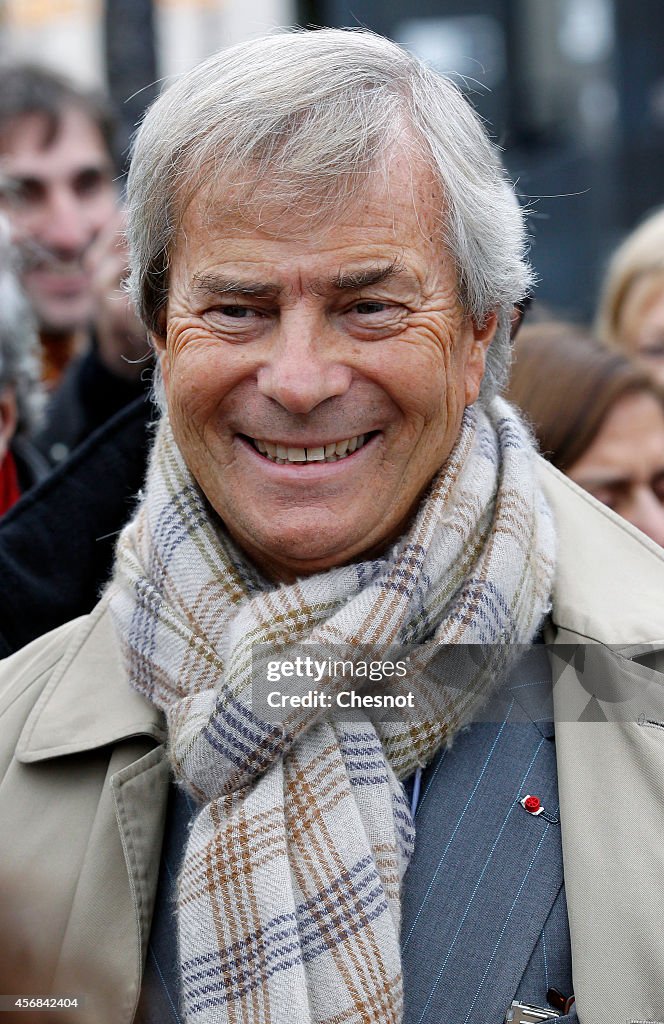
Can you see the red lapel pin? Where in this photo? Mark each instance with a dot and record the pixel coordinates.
(532, 804)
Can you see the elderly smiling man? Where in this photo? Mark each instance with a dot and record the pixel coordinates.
(327, 254)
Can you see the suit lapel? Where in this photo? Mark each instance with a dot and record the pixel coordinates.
(485, 872)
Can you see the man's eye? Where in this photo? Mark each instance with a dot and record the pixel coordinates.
(25, 192)
(237, 312)
(89, 181)
(367, 308)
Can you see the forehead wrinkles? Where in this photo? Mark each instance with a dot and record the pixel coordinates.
(249, 206)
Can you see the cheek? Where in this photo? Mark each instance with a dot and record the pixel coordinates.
(436, 344)
(190, 405)
(427, 374)
(190, 375)
(102, 209)
(201, 373)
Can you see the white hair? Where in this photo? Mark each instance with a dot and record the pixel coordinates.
(19, 343)
(301, 119)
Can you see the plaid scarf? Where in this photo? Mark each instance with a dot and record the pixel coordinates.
(289, 895)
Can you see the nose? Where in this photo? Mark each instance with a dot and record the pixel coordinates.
(304, 366)
(647, 513)
(65, 227)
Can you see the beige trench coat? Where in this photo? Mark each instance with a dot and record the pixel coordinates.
(85, 781)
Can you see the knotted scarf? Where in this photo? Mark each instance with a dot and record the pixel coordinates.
(289, 895)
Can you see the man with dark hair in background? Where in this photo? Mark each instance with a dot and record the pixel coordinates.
(58, 170)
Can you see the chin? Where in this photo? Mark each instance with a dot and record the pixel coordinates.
(302, 554)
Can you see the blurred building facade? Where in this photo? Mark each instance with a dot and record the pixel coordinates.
(574, 91)
(70, 34)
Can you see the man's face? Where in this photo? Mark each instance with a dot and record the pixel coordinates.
(58, 198)
(344, 346)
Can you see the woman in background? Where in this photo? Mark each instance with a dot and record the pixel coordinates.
(598, 417)
(631, 308)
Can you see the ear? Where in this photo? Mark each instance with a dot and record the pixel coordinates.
(8, 419)
(158, 342)
(481, 337)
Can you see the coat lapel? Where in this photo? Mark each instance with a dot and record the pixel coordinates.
(114, 896)
(610, 735)
(92, 730)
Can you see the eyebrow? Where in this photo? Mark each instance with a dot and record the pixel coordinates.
(216, 284)
(352, 280)
(355, 280)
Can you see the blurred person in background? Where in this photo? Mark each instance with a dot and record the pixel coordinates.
(598, 417)
(21, 398)
(631, 308)
(109, 376)
(58, 168)
(57, 186)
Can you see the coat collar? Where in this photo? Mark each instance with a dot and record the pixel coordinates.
(609, 580)
(87, 703)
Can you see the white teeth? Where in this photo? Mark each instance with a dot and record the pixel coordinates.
(333, 452)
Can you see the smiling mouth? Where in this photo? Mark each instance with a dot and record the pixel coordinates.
(284, 455)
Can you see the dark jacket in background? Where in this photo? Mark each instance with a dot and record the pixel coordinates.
(57, 542)
(86, 398)
(31, 465)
